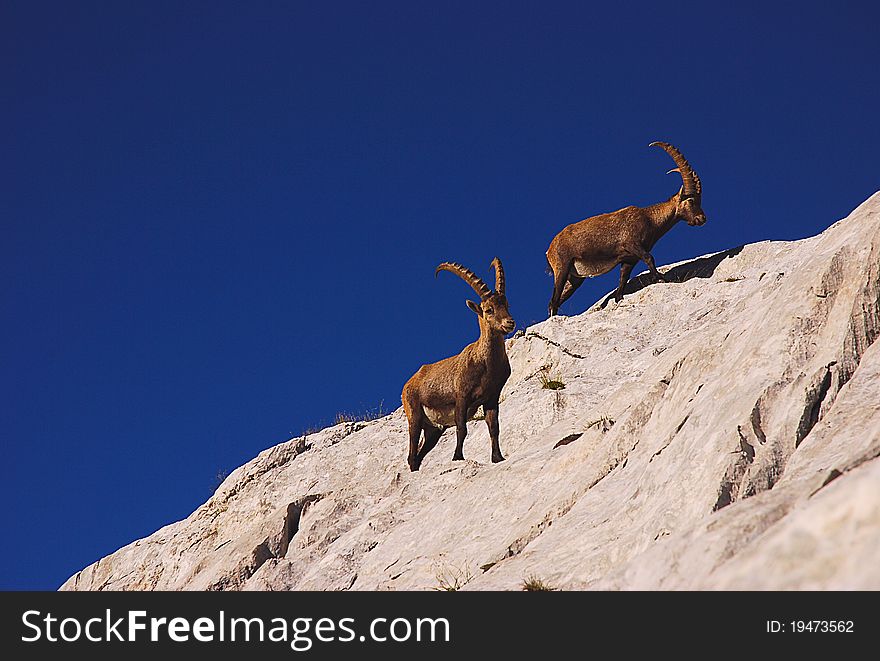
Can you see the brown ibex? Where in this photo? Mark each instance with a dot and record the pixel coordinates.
(596, 245)
(448, 393)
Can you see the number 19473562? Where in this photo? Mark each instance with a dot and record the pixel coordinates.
(810, 626)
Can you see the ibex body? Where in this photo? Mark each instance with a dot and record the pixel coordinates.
(596, 245)
(448, 393)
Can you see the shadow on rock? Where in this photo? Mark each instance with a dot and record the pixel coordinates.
(702, 267)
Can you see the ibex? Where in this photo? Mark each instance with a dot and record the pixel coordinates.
(449, 393)
(596, 245)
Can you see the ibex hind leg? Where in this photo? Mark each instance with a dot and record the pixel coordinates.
(625, 270)
(432, 436)
(571, 286)
(415, 431)
(560, 279)
(415, 416)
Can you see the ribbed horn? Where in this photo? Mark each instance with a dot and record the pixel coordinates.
(689, 178)
(468, 276)
(500, 283)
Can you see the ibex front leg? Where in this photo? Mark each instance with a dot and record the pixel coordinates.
(492, 424)
(460, 430)
(646, 257)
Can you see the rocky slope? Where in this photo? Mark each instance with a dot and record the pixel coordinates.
(719, 431)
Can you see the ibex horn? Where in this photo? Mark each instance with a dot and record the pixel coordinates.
(499, 276)
(468, 276)
(689, 178)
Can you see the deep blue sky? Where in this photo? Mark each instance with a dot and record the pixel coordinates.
(220, 223)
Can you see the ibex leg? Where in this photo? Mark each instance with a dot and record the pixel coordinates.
(570, 288)
(625, 270)
(492, 424)
(460, 431)
(560, 278)
(646, 257)
(432, 435)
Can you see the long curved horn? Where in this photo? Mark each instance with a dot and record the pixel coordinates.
(689, 178)
(468, 276)
(500, 283)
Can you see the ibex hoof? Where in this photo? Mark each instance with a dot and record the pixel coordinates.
(458, 456)
(497, 457)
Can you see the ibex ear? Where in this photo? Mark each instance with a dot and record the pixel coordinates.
(475, 307)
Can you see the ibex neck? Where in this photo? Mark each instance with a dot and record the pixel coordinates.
(663, 216)
(490, 340)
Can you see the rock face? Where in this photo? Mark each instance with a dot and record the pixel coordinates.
(718, 431)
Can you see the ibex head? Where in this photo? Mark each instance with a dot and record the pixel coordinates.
(690, 195)
(492, 307)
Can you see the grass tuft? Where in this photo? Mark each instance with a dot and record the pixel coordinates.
(547, 381)
(535, 584)
(452, 579)
(364, 415)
